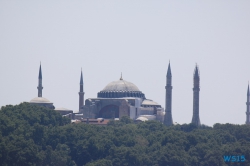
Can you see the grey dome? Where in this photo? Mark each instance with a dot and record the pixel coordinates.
(41, 101)
(121, 85)
(119, 89)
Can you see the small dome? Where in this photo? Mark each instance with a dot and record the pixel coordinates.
(120, 85)
(149, 102)
(62, 109)
(148, 117)
(40, 100)
(143, 119)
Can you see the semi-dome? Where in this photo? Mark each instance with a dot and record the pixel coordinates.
(149, 102)
(120, 88)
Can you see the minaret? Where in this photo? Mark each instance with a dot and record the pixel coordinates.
(81, 93)
(168, 121)
(196, 91)
(40, 86)
(248, 107)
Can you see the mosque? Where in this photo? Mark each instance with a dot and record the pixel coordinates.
(123, 98)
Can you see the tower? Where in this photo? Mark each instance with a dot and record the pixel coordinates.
(168, 121)
(40, 86)
(196, 91)
(81, 93)
(248, 107)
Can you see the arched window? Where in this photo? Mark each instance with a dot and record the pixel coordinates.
(109, 112)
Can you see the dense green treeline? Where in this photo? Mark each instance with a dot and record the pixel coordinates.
(32, 135)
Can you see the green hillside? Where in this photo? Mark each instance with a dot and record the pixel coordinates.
(32, 135)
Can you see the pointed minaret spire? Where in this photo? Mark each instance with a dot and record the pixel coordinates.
(168, 121)
(196, 72)
(40, 72)
(248, 106)
(40, 86)
(248, 93)
(196, 97)
(169, 74)
(81, 79)
(121, 76)
(81, 93)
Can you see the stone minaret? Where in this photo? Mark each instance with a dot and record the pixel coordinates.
(196, 91)
(168, 121)
(248, 107)
(40, 86)
(81, 93)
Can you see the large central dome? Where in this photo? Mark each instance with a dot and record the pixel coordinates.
(121, 85)
(120, 88)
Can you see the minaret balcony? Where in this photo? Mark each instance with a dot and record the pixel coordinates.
(168, 87)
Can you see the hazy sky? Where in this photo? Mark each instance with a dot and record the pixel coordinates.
(137, 38)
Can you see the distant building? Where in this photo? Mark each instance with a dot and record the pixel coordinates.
(121, 98)
(98, 121)
(63, 111)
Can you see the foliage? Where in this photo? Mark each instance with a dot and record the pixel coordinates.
(32, 135)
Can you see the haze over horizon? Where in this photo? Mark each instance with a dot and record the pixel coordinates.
(137, 38)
